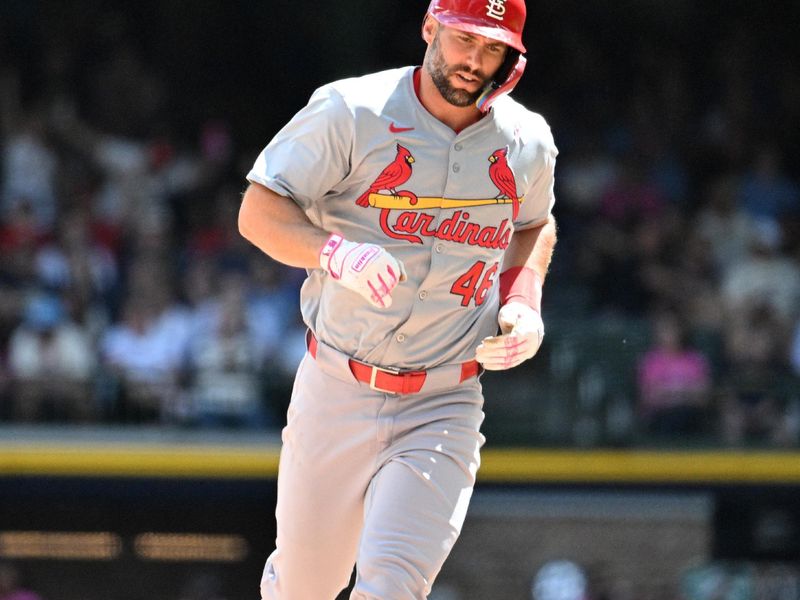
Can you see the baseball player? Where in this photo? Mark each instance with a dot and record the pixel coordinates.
(419, 200)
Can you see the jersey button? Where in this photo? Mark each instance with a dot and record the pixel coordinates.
(401, 337)
(423, 294)
(458, 147)
(456, 168)
(439, 248)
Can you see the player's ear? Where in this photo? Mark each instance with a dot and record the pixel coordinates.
(429, 29)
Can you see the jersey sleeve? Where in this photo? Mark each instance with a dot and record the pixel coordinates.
(311, 153)
(539, 197)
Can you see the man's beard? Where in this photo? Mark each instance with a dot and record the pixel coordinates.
(440, 73)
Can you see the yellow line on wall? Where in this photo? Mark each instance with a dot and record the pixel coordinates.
(640, 466)
(498, 465)
(139, 461)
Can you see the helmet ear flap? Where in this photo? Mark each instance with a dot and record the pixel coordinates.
(504, 80)
(509, 62)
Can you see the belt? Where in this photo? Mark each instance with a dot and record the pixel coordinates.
(393, 381)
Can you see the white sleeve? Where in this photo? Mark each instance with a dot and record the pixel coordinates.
(311, 154)
(540, 197)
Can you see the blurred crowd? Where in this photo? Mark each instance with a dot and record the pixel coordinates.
(128, 296)
(126, 292)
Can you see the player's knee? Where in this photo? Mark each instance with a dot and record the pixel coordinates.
(295, 582)
(387, 577)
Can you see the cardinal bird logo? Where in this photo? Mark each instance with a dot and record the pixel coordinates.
(503, 178)
(394, 175)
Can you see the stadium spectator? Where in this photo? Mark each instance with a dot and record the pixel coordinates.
(724, 224)
(753, 385)
(74, 260)
(20, 238)
(29, 171)
(766, 192)
(225, 362)
(766, 277)
(674, 383)
(51, 363)
(143, 357)
(272, 303)
(199, 289)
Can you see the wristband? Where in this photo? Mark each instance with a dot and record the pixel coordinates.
(521, 284)
(326, 253)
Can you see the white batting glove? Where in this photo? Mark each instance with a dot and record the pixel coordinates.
(523, 332)
(367, 269)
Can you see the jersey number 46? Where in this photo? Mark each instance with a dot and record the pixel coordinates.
(475, 284)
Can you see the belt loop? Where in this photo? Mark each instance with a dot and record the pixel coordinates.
(470, 369)
(311, 343)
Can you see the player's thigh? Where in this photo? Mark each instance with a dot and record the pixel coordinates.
(326, 463)
(417, 503)
(410, 527)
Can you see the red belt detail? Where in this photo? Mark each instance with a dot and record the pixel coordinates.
(388, 380)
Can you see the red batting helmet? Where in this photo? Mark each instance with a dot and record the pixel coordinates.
(500, 20)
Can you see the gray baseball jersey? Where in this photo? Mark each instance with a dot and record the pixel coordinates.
(365, 159)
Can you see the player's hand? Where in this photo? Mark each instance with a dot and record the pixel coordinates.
(522, 334)
(367, 269)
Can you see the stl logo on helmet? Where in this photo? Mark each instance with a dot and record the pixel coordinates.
(496, 9)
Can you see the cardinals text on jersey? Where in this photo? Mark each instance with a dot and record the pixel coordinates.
(412, 223)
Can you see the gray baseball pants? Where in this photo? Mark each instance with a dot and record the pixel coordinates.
(379, 480)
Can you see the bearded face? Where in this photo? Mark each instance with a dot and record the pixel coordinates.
(443, 74)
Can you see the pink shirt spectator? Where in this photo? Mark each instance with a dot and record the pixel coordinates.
(668, 379)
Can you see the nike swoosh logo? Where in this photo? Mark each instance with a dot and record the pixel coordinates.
(395, 129)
